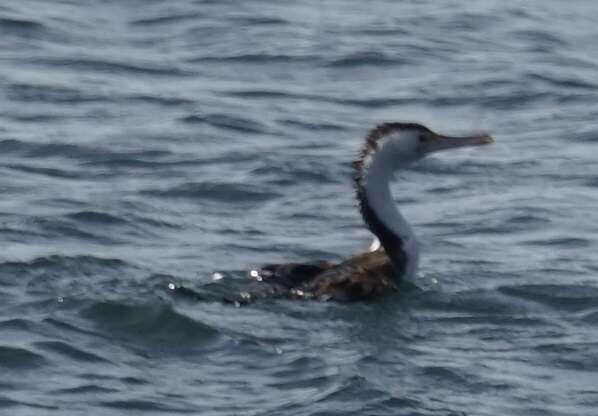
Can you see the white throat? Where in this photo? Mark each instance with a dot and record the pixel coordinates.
(379, 168)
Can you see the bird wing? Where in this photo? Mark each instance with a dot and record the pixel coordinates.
(291, 275)
(360, 277)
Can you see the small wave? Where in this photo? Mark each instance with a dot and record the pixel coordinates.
(10, 23)
(359, 59)
(165, 20)
(590, 317)
(497, 224)
(264, 94)
(220, 192)
(69, 351)
(271, 94)
(66, 326)
(128, 380)
(356, 391)
(451, 376)
(563, 82)
(83, 264)
(18, 358)
(148, 406)
(11, 145)
(568, 297)
(573, 355)
(542, 40)
(17, 324)
(104, 65)
(158, 99)
(297, 173)
(6, 402)
(588, 136)
(36, 117)
(258, 20)
(56, 94)
(381, 31)
(226, 121)
(475, 304)
(313, 126)
(494, 101)
(55, 149)
(379, 103)
(50, 94)
(104, 224)
(96, 217)
(125, 162)
(57, 227)
(528, 219)
(91, 389)
(255, 58)
(153, 161)
(23, 28)
(49, 172)
(19, 234)
(157, 322)
(86, 155)
(469, 22)
(562, 242)
(155, 222)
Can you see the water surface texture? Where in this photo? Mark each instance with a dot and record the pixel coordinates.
(149, 142)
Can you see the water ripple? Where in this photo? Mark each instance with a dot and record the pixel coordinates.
(13, 358)
(69, 351)
(82, 264)
(166, 19)
(154, 322)
(240, 124)
(567, 297)
(50, 94)
(143, 143)
(148, 406)
(96, 217)
(220, 192)
(113, 67)
(359, 59)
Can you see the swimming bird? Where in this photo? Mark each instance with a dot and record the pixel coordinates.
(393, 257)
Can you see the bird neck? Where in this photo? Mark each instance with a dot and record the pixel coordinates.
(375, 170)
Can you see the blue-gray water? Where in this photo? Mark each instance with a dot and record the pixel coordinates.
(148, 142)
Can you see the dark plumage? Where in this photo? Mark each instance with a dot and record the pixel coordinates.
(359, 277)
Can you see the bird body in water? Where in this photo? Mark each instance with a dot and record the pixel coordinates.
(393, 258)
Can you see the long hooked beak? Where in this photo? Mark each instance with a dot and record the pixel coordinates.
(442, 142)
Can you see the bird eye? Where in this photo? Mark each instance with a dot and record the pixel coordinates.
(423, 138)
